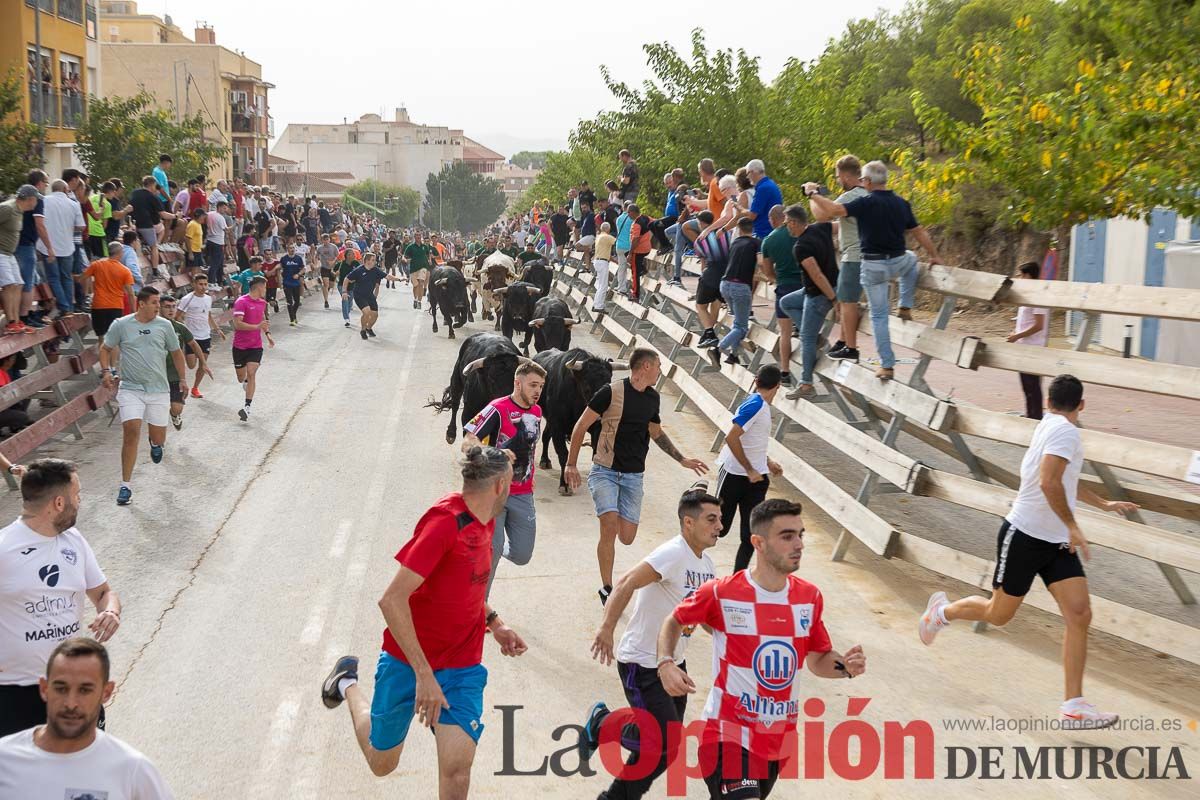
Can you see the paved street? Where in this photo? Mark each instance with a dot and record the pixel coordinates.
(255, 555)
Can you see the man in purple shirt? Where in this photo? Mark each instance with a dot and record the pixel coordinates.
(249, 326)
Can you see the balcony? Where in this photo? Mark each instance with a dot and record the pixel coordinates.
(48, 114)
(67, 9)
(72, 109)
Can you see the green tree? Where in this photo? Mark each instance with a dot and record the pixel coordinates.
(18, 139)
(530, 159)
(396, 205)
(463, 199)
(563, 170)
(122, 137)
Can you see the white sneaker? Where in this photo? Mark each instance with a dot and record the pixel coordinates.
(1079, 714)
(929, 625)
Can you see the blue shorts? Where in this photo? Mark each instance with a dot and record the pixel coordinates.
(616, 491)
(781, 292)
(849, 285)
(396, 692)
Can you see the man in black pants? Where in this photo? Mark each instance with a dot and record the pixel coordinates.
(1031, 328)
(742, 465)
(665, 578)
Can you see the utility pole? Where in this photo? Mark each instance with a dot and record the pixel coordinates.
(440, 184)
(41, 106)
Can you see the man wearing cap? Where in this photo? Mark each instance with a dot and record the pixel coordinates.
(12, 217)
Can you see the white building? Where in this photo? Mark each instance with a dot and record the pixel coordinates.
(515, 181)
(397, 152)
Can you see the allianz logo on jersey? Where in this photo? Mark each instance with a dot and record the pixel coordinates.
(775, 664)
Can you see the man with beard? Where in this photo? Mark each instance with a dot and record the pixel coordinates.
(46, 569)
(68, 756)
(513, 424)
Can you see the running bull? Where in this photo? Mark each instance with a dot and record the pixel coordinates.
(492, 273)
(517, 301)
(552, 325)
(538, 273)
(572, 378)
(484, 371)
(448, 293)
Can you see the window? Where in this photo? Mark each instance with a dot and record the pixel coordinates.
(387, 138)
(43, 99)
(45, 5)
(92, 25)
(71, 10)
(353, 137)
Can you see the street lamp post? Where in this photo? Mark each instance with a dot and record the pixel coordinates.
(440, 184)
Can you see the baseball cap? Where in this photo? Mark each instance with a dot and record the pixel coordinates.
(27, 191)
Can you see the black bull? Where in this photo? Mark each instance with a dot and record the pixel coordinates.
(448, 293)
(484, 371)
(572, 378)
(517, 309)
(551, 325)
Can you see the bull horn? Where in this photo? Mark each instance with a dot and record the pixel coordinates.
(501, 290)
(570, 322)
(537, 323)
(534, 290)
(618, 364)
(441, 282)
(474, 365)
(575, 364)
(525, 360)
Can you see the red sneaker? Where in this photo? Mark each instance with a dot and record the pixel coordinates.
(17, 327)
(196, 392)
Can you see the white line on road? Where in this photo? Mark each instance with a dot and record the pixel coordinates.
(337, 547)
(278, 741)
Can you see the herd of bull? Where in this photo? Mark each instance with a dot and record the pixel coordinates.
(487, 361)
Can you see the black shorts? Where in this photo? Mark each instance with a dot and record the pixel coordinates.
(326, 273)
(177, 394)
(103, 318)
(366, 302)
(1021, 557)
(243, 357)
(706, 293)
(782, 292)
(747, 778)
(205, 345)
(24, 708)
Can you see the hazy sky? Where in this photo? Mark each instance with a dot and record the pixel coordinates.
(510, 80)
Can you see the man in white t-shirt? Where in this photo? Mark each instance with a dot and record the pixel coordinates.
(666, 577)
(1031, 329)
(47, 574)
(742, 465)
(194, 310)
(67, 758)
(1040, 538)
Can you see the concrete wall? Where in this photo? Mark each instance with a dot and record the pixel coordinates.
(396, 163)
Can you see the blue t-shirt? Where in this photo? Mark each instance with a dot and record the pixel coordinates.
(883, 217)
(161, 177)
(672, 208)
(292, 267)
(624, 226)
(29, 233)
(766, 197)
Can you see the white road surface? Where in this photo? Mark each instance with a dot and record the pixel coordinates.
(254, 556)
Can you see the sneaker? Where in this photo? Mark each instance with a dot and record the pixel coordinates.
(1078, 714)
(803, 390)
(124, 496)
(844, 354)
(371, 333)
(604, 592)
(35, 322)
(714, 355)
(904, 314)
(156, 451)
(243, 413)
(838, 345)
(589, 736)
(929, 625)
(177, 421)
(196, 393)
(327, 304)
(417, 304)
(701, 485)
(347, 323)
(346, 667)
(786, 379)
(17, 327)
(885, 373)
(708, 340)
(292, 323)
(731, 358)
(363, 334)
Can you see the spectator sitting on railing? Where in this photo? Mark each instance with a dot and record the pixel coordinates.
(883, 217)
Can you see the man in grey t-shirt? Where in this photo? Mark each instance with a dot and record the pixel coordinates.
(849, 288)
(144, 340)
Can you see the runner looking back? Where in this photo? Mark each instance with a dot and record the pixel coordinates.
(765, 621)
(660, 582)
(1041, 539)
(419, 256)
(436, 616)
(628, 413)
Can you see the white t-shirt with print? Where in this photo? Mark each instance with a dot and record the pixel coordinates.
(43, 589)
(682, 574)
(195, 314)
(107, 769)
(1030, 513)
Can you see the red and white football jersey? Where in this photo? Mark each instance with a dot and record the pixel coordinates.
(760, 640)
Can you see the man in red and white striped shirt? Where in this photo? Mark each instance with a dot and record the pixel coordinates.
(765, 621)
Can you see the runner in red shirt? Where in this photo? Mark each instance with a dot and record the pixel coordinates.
(436, 616)
(765, 621)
